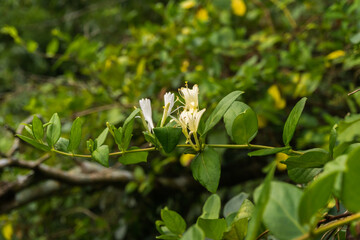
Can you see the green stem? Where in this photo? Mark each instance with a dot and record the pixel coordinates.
(232, 146)
(330, 226)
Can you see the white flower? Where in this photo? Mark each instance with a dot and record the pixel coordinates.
(169, 99)
(194, 120)
(145, 105)
(191, 97)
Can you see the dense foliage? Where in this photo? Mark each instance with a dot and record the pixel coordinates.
(96, 59)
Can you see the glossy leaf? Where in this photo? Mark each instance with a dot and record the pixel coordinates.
(303, 175)
(213, 228)
(173, 221)
(220, 110)
(128, 129)
(211, 208)
(53, 131)
(75, 135)
(351, 180)
(234, 204)
(62, 144)
(311, 159)
(34, 143)
(37, 128)
(101, 155)
(265, 152)
(168, 137)
(281, 213)
(194, 233)
(292, 121)
(262, 200)
(206, 169)
(316, 196)
(245, 127)
(234, 110)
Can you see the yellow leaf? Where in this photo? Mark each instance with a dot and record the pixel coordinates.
(7, 231)
(188, 4)
(184, 66)
(274, 92)
(186, 159)
(281, 157)
(238, 7)
(335, 54)
(202, 15)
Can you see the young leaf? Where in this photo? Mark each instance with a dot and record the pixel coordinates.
(262, 200)
(234, 204)
(101, 138)
(133, 158)
(292, 121)
(206, 169)
(211, 208)
(234, 110)
(53, 131)
(34, 143)
(173, 221)
(62, 144)
(193, 233)
(37, 128)
(128, 128)
(270, 151)
(220, 110)
(75, 135)
(213, 228)
(245, 127)
(316, 196)
(101, 155)
(332, 141)
(118, 136)
(351, 180)
(168, 137)
(282, 210)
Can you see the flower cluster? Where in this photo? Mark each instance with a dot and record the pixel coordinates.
(188, 119)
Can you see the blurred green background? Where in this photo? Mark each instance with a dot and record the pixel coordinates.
(96, 59)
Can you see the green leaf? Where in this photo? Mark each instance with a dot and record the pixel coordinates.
(128, 129)
(101, 155)
(220, 110)
(194, 233)
(262, 200)
(75, 135)
(101, 138)
(234, 204)
(133, 158)
(37, 128)
(332, 141)
(173, 221)
(206, 169)
(281, 212)
(52, 47)
(303, 175)
(213, 228)
(311, 159)
(351, 180)
(168, 137)
(245, 127)
(238, 230)
(62, 144)
(211, 208)
(234, 110)
(53, 131)
(34, 143)
(292, 121)
(316, 196)
(118, 136)
(270, 151)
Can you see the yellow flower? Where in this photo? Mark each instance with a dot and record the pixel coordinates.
(274, 92)
(7, 231)
(202, 15)
(335, 54)
(184, 66)
(238, 7)
(187, 4)
(281, 157)
(186, 159)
